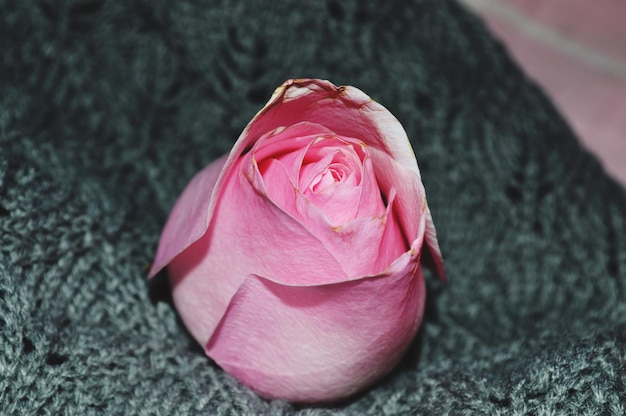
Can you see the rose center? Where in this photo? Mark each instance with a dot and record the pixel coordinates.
(328, 177)
(331, 174)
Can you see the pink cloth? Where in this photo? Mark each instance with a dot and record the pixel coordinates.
(575, 50)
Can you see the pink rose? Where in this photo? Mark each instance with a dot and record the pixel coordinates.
(295, 259)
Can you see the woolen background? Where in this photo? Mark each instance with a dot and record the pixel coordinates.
(107, 109)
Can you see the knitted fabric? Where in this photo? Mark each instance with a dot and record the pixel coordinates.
(107, 109)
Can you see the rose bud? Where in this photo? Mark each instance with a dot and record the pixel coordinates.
(295, 259)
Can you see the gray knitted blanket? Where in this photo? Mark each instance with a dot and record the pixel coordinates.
(107, 109)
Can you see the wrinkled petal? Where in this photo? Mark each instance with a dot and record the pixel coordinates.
(319, 343)
(261, 238)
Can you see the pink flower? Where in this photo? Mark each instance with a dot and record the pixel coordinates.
(295, 259)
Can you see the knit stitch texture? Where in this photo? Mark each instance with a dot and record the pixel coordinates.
(107, 109)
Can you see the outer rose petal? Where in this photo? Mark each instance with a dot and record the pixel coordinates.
(188, 220)
(320, 343)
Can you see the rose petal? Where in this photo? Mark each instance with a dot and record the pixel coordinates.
(411, 206)
(411, 199)
(370, 203)
(188, 220)
(319, 343)
(208, 273)
(363, 246)
(289, 145)
(279, 186)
